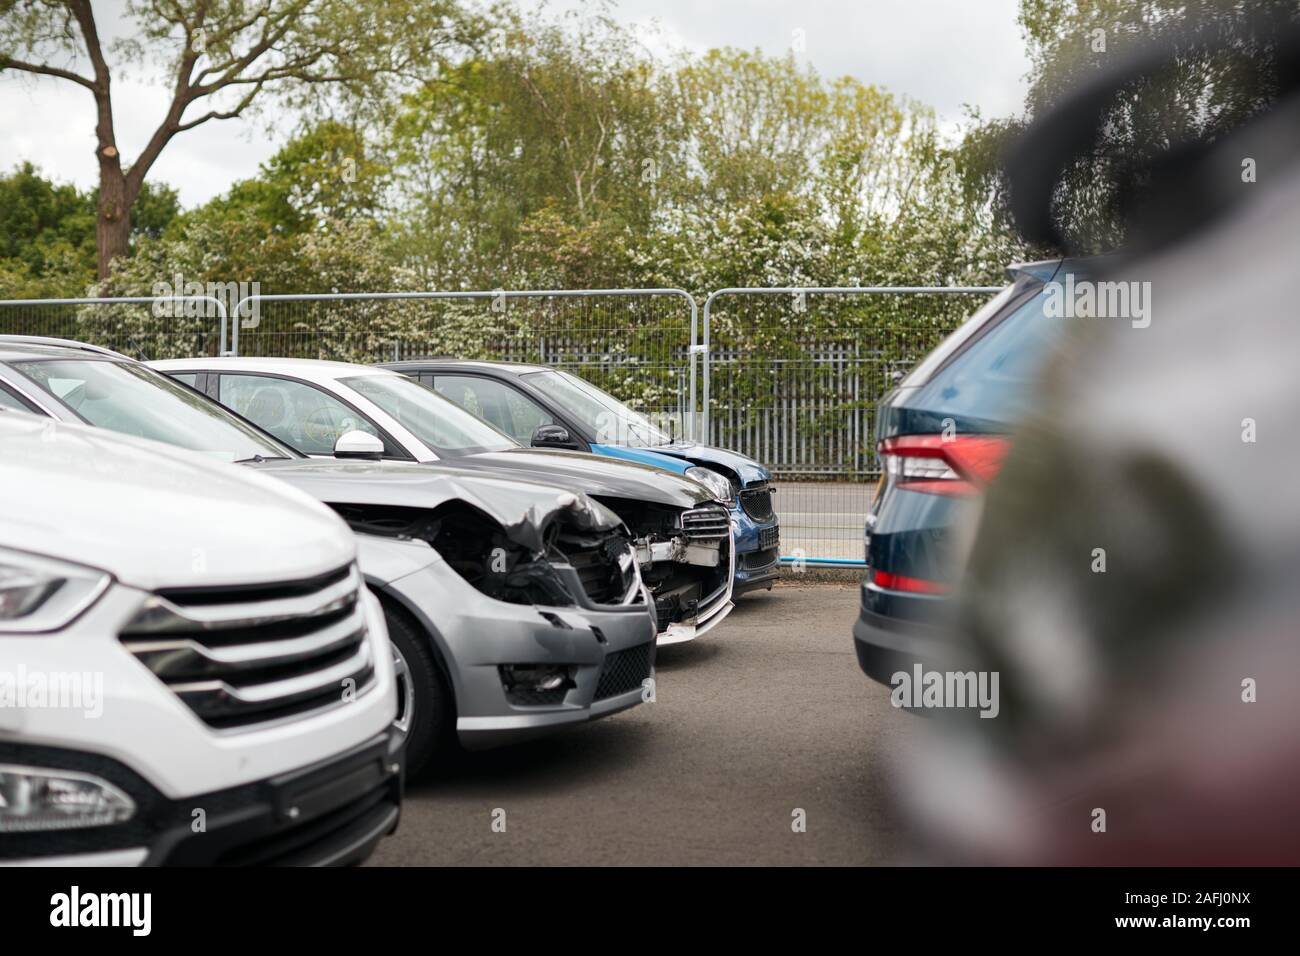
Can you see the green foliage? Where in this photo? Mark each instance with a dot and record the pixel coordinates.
(47, 232)
(563, 156)
(340, 256)
(153, 211)
(1198, 97)
(43, 223)
(542, 122)
(324, 175)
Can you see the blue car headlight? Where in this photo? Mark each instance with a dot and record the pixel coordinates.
(718, 485)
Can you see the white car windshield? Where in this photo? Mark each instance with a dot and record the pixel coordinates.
(136, 400)
(612, 422)
(437, 421)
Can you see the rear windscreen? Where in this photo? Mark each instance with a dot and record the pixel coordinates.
(989, 375)
(950, 346)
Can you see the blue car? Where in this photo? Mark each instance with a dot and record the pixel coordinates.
(548, 408)
(941, 436)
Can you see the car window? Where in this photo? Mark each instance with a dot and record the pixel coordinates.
(189, 378)
(611, 421)
(951, 345)
(443, 425)
(301, 415)
(497, 403)
(11, 402)
(991, 377)
(136, 400)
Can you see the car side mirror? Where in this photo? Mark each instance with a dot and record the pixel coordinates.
(359, 444)
(553, 436)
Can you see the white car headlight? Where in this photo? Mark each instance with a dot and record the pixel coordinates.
(716, 483)
(41, 594)
(35, 799)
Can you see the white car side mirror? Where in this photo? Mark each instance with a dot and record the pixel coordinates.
(359, 444)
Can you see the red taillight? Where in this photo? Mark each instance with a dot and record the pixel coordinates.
(901, 582)
(939, 465)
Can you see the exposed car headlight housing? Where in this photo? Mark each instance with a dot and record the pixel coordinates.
(41, 594)
(716, 483)
(34, 799)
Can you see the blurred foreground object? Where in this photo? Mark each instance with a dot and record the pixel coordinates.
(1134, 579)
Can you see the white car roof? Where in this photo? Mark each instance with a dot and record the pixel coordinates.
(312, 370)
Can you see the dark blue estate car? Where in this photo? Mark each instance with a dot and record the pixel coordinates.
(548, 408)
(941, 436)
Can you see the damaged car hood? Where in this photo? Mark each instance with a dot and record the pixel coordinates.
(523, 509)
(593, 474)
(681, 455)
(749, 471)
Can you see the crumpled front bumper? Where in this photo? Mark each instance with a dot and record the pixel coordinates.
(758, 550)
(713, 609)
(476, 635)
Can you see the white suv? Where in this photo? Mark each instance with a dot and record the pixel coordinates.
(191, 671)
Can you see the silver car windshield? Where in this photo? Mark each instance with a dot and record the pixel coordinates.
(612, 422)
(136, 400)
(437, 421)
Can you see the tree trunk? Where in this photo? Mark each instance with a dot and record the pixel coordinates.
(113, 224)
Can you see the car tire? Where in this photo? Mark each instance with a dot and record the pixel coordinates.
(425, 703)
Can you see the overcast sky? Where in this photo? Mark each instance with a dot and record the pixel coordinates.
(945, 53)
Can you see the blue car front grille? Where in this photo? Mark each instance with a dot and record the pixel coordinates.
(757, 503)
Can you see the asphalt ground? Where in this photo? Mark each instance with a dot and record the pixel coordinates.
(765, 716)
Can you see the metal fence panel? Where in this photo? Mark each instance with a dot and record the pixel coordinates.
(144, 327)
(791, 377)
(634, 343)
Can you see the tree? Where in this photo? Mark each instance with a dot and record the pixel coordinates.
(1197, 98)
(325, 175)
(44, 223)
(569, 156)
(549, 131)
(47, 232)
(220, 58)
